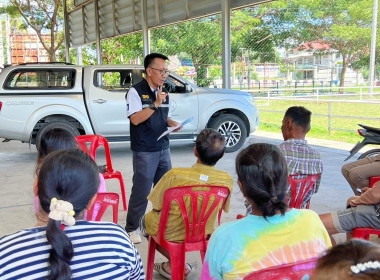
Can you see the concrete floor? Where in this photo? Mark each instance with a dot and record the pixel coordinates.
(17, 163)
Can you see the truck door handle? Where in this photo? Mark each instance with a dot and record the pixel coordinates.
(99, 101)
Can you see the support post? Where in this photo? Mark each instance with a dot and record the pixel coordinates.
(372, 61)
(66, 31)
(145, 30)
(226, 44)
(97, 32)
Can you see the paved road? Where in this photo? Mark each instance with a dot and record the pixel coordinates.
(17, 163)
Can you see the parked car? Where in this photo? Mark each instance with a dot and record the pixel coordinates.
(91, 100)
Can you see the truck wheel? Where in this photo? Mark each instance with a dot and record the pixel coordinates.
(370, 153)
(61, 124)
(232, 128)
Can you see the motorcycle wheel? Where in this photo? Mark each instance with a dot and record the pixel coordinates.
(370, 153)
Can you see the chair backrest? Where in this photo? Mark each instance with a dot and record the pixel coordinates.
(373, 180)
(292, 271)
(95, 142)
(104, 200)
(302, 188)
(195, 228)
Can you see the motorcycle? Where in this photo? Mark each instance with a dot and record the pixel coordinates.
(371, 136)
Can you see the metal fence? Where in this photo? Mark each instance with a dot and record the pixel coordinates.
(281, 44)
(359, 106)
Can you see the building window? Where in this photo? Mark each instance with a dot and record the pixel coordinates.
(308, 75)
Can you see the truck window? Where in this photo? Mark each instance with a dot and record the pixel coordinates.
(40, 79)
(174, 86)
(117, 80)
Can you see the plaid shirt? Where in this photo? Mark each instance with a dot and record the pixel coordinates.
(302, 159)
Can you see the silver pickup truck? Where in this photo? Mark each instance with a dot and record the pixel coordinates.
(91, 100)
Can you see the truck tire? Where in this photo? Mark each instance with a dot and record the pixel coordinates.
(370, 153)
(232, 128)
(57, 124)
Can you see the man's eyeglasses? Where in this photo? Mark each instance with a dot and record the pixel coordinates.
(162, 72)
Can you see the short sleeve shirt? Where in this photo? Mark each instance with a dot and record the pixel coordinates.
(134, 102)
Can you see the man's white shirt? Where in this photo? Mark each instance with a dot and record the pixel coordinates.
(134, 102)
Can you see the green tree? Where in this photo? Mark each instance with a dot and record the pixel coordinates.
(122, 49)
(343, 25)
(43, 16)
(200, 39)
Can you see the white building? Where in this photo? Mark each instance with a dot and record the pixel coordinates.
(319, 62)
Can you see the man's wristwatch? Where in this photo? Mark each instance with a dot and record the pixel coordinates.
(151, 106)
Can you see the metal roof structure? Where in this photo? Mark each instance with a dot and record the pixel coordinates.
(93, 20)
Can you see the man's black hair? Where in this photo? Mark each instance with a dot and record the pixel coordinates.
(210, 146)
(300, 116)
(150, 57)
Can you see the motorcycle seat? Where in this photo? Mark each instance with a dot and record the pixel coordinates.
(369, 128)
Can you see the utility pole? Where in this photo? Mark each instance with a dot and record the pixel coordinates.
(372, 61)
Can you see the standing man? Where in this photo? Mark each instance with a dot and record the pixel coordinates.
(149, 112)
(300, 157)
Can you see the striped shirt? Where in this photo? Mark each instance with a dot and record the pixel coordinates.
(101, 251)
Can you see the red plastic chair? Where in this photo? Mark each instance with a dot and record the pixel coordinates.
(373, 180)
(307, 184)
(105, 200)
(96, 141)
(195, 237)
(291, 271)
(364, 233)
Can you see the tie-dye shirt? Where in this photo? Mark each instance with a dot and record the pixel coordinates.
(253, 243)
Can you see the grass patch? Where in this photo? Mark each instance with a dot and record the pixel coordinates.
(271, 121)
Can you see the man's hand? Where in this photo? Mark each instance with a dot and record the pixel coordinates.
(172, 123)
(351, 201)
(364, 189)
(161, 97)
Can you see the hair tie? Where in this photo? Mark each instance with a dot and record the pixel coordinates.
(364, 267)
(62, 211)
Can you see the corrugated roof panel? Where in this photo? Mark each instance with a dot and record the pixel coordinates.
(202, 8)
(127, 17)
(76, 28)
(106, 18)
(172, 11)
(89, 14)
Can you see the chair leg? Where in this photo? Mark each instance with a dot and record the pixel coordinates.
(150, 262)
(203, 253)
(115, 212)
(120, 177)
(177, 262)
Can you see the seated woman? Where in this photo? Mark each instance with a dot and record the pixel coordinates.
(53, 140)
(272, 235)
(68, 247)
(356, 259)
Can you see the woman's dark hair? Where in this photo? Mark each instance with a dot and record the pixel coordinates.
(69, 175)
(263, 174)
(210, 146)
(337, 262)
(53, 140)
